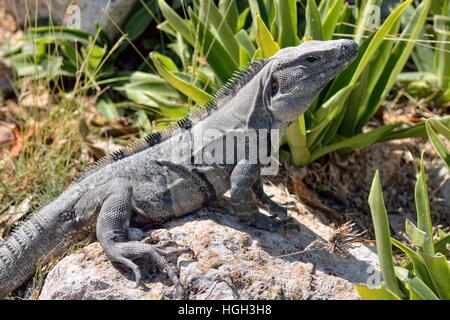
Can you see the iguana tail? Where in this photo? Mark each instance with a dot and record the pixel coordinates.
(46, 233)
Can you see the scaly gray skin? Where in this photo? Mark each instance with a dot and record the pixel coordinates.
(148, 181)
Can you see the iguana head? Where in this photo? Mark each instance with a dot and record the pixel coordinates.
(295, 75)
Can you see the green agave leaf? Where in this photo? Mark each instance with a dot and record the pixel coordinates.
(245, 42)
(244, 57)
(52, 34)
(106, 107)
(418, 289)
(331, 19)
(324, 7)
(313, 22)
(287, 14)
(243, 18)
(326, 113)
(420, 268)
(415, 131)
(140, 20)
(265, 40)
(378, 39)
(358, 141)
(176, 22)
(297, 142)
(396, 62)
(417, 236)
(382, 235)
(230, 12)
(363, 17)
(423, 210)
(168, 63)
(217, 56)
(440, 273)
(441, 246)
(226, 36)
(438, 145)
(442, 50)
(196, 94)
(381, 293)
(439, 126)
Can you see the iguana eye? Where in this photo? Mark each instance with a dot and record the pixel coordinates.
(311, 59)
(275, 87)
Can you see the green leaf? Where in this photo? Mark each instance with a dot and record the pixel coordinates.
(420, 268)
(287, 16)
(419, 289)
(136, 24)
(395, 64)
(196, 94)
(265, 40)
(417, 236)
(441, 245)
(438, 145)
(358, 141)
(382, 235)
(245, 42)
(217, 56)
(423, 210)
(381, 293)
(326, 113)
(229, 10)
(106, 107)
(378, 38)
(243, 18)
(212, 14)
(440, 127)
(167, 62)
(363, 18)
(440, 273)
(313, 23)
(331, 19)
(297, 142)
(176, 22)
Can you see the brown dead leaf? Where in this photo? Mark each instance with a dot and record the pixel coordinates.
(6, 133)
(14, 214)
(17, 144)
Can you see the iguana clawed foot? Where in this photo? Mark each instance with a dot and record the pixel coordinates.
(126, 252)
(276, 207)
(249, 213)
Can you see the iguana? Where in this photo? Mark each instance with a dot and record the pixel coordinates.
(147, 180)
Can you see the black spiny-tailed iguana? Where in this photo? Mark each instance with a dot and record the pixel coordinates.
(148, 180)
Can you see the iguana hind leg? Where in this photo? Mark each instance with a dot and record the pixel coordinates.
(112, 228)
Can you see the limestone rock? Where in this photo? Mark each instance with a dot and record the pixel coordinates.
(65, 12)
(230, 261)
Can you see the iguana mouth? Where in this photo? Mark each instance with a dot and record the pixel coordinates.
(339, 66)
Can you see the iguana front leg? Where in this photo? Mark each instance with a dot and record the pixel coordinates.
(112, 228)
(265, 199)
(243, 200)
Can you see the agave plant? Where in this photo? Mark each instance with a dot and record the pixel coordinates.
(432, 54)
(428, 275)
(219, 39)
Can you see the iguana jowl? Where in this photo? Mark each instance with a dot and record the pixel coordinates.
(146, 180)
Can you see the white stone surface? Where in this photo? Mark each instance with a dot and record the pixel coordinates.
(230, 261)
(63, 12)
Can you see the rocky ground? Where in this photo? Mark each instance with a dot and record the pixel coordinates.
(229, 261)
(319, 260)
